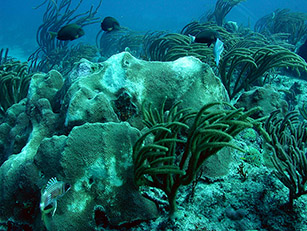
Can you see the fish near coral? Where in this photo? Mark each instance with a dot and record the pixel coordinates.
(210, 37)
(218, 50)
(109, 23)
(53, 191)
(68, 32)
(205, 36)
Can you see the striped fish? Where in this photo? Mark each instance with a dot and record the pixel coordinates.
(53, 190)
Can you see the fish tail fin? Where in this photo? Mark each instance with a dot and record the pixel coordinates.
(117, 27)
(217, 50)
(52, 34)
(192, 38)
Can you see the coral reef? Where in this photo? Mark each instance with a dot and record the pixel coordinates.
(241, 67)
(302, 51)
(57, 14)
(283, 21)
(173, 46)
(185, 79)
(113, 42)
(3, 56)
(96, 159)
(222, 8)
(159, 163)
(258, 97)
(157, 137)
(14, 83)
(74, 131)
(287, 141)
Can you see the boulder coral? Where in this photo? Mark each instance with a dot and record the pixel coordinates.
(95, 158)
(81, 129)
(185, 79)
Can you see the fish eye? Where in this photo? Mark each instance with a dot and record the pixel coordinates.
(67, 186)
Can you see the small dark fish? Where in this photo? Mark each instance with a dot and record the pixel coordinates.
(206, 36)
(109, 24)
(68, 32)
(209, 37)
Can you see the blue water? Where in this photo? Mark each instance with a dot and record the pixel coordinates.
(19, 21)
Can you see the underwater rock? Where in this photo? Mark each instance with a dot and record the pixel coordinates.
(222, 159)
(185, 79)
(266, 97)
(19, 197)
(44, 122)
(14, 130)
(4, 130)
(25, 117)
(235, 215)
(45, 85)
(50, 149)
(96, 160)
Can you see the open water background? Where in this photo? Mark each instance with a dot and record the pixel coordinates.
(19, 20)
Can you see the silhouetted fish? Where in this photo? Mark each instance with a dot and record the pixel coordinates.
(68, 32)
(209, 37)
(206, 36)
(109, 24)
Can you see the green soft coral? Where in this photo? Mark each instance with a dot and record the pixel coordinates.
(14, 83)
(181, 141)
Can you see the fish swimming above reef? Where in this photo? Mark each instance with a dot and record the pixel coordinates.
(210, 37)
(205, 36)
(218, 50)
(109, 24)
(68, 32)
(53, 191)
